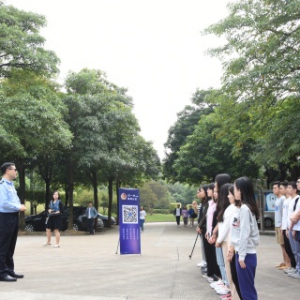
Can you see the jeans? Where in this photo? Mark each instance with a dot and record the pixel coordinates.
(221, 264)
(296, 250)
(142, 221)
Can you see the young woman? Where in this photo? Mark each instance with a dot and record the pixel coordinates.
(201, 228)
(220, 286)
(185, 216)
(227, 209)
(245, 237)
(213, 271)
(54, 220)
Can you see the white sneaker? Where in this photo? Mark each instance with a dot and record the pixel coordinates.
(216, 283)
(223, 291)
(56, 246)
(47, 244)
(289, 270)
(295, 276)
(202, 264)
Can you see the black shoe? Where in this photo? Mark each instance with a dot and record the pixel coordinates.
(8, 278)
(14, 275)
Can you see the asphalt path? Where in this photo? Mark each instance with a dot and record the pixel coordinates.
(87, 267)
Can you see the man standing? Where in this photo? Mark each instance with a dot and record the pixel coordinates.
(10, 206)
(177, 213)
(292, 191)
(278, 221)
(91, 213)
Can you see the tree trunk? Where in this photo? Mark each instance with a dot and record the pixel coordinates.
(47, 192)
(67, 194)
(110, 199)
(118, 184)
(93, 178)
(70, 194)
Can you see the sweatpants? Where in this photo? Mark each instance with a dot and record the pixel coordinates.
(288, 249)
(235, 277)
(246, 276)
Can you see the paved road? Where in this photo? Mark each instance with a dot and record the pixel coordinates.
(86, 267)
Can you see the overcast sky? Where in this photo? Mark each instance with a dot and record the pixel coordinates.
(154, 48)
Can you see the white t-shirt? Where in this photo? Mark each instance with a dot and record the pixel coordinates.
(285, 208)
(224, 227)
(297, 225)
(142, 215)
(291, 210)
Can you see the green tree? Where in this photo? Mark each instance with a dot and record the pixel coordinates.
(21, 45)
(184, 126)
(32, 119)
(261, 77)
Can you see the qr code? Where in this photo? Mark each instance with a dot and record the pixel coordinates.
(130, 214)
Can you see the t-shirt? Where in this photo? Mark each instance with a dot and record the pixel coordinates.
(297, 225)
(142, 215)
(177, 213)
(185, 213)
(278, 211)
(285, 208)
(291, 210)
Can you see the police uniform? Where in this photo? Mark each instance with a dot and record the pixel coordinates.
(9, 224)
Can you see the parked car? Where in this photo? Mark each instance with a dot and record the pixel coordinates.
(37, 222)
(105, 220)
(269, 219)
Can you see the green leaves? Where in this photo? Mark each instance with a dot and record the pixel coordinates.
(21, 46)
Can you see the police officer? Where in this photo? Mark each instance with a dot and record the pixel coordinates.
(9, 222)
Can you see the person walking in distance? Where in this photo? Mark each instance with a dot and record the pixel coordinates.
(177, 213)
(142, 217)
(10, 206)
(91, 213)
(185, 216)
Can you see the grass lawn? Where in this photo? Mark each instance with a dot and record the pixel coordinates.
(160, 218)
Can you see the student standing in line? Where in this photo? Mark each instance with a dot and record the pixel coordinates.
(295, 228)
(230, 250)
(227, 208)
(213, 271)
(245, 237)
(221, 286)
(290, 262)
(278, 221)
(201, 195)
(292, 191)
(201, 227)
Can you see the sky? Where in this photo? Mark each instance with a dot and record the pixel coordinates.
(154, 48)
